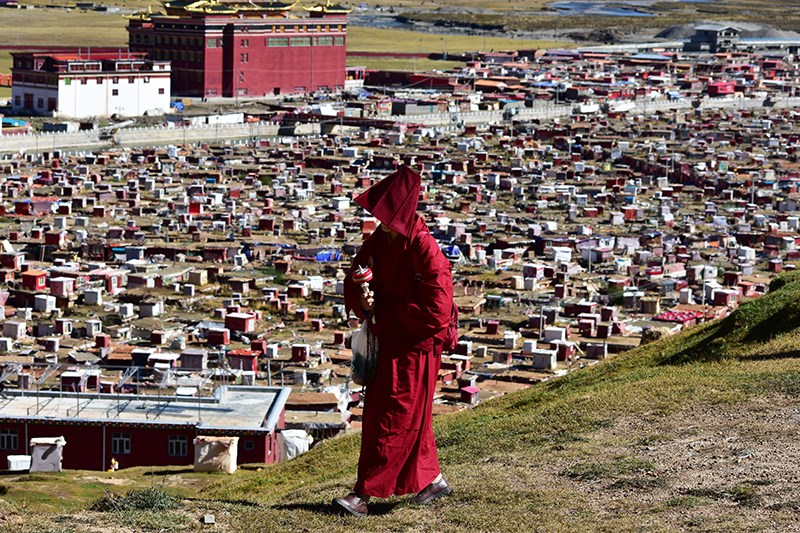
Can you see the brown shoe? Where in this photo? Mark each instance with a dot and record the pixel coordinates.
(437, 489)
(353, 504)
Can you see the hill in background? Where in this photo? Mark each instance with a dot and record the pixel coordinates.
(693, 432)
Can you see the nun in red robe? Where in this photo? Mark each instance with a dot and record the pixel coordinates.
(411, 300)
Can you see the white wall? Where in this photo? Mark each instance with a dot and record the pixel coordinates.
(97, 99)
(92, 99)
(42, 92)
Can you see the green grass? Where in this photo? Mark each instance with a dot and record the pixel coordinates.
(61, 27)
(5, 68)
(5, 62)
(75, 490)
(594, 471)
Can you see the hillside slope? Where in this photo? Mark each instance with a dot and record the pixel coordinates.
(694, 432)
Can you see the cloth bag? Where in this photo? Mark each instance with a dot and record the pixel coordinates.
(364, 345)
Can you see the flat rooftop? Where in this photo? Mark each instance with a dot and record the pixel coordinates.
(244, 408)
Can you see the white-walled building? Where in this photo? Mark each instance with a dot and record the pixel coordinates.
(85, 84)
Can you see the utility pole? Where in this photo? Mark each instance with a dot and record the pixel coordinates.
(541, 322)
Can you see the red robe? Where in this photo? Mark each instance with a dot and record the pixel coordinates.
(413, 290)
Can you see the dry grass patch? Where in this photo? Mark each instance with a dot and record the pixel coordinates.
(47, 27)
(384, 40)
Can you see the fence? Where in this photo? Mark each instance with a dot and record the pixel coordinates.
(160, 135)
(155, 135)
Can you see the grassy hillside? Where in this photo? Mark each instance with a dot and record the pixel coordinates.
(695, 432)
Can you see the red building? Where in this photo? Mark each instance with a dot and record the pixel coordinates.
(235, 48)
(243, 360)
(34, 280)
(721, 88)
(137, 432)
(244, 322)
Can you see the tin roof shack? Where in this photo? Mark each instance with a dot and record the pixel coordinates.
(242, 322)
(34, 280)
(139, 430)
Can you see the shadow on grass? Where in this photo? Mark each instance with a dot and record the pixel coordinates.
(375, 509)
(243, 503)
(794, 354)
(169, 472)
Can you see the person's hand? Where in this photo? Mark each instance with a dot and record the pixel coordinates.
(368, 301)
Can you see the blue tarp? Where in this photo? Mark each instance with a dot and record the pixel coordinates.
(328, 255)
(451, 251)
(13, 122)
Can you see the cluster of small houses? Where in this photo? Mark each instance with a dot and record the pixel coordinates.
(162, 296)
(714, 63)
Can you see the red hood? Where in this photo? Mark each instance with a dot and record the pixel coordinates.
(393, 200)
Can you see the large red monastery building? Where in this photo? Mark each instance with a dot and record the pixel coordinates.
(220, 48)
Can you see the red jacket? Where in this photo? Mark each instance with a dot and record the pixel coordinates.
(413, 289)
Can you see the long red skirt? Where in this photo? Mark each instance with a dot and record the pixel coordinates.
(398, 449)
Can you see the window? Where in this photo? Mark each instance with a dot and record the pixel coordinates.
(83, 81)
(244, 58)
(277, 41)
(99, 81)
(323, 41)
(51, 104)
(67, 81)
(8, 439)
(178, 446)
(40, 103)
(160, 90)
(120, 443)
(146, 79)
(339, 41)
(245, 43)
(300, 41)
(130, 79)
(211, 43)
(114, 92)
(115, 80)
(249, 445)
